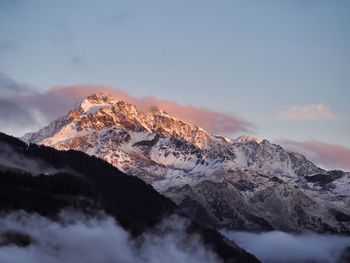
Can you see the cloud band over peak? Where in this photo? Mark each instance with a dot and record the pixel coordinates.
(59, 100)
(330, 156)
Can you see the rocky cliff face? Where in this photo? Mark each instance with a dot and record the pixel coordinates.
(242, 183)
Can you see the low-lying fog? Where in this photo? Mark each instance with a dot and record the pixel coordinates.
(281, 247)
(75, 238)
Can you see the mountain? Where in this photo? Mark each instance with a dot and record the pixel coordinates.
(44, 181)
(242, 183)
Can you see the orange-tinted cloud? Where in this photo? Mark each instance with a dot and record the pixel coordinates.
(58, 100)
(312, 112)
(330, 156)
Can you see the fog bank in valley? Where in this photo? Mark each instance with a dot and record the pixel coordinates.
(76, 238)
(281, 247)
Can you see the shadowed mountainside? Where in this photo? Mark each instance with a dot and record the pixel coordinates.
(89, 184)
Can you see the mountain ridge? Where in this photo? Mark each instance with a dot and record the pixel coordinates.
(171, 154)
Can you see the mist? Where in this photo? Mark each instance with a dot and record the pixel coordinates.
(76, 238)
(11, 159)
(281, 247)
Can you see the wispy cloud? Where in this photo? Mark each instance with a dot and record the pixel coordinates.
(10, 87)
(312, 112)
(330, 156)
(59, 100)
(11, 112)
(13, 115)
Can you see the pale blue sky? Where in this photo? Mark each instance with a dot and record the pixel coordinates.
(254, 58)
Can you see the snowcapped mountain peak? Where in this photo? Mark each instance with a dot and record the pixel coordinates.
(97, 101)
(102, 111)
(174, 155)
(246, 138)
(104, 125)
(243, 178)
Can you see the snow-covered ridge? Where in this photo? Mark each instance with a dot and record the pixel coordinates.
(103, 108)
(104, 125)
(179, 159)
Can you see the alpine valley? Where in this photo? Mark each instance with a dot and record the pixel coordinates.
(238, 184)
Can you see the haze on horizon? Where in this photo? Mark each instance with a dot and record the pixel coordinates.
(280, 69)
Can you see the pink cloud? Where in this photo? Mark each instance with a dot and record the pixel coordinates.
(330, 156)
(312, 112)
(60, 99)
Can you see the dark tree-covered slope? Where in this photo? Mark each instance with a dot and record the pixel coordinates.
(89, 184)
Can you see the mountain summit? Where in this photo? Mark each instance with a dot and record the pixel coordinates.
(102, 111)
(240, 184)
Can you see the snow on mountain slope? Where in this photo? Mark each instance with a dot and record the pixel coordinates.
(178, 158)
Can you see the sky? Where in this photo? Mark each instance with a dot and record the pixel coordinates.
(280, 66)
